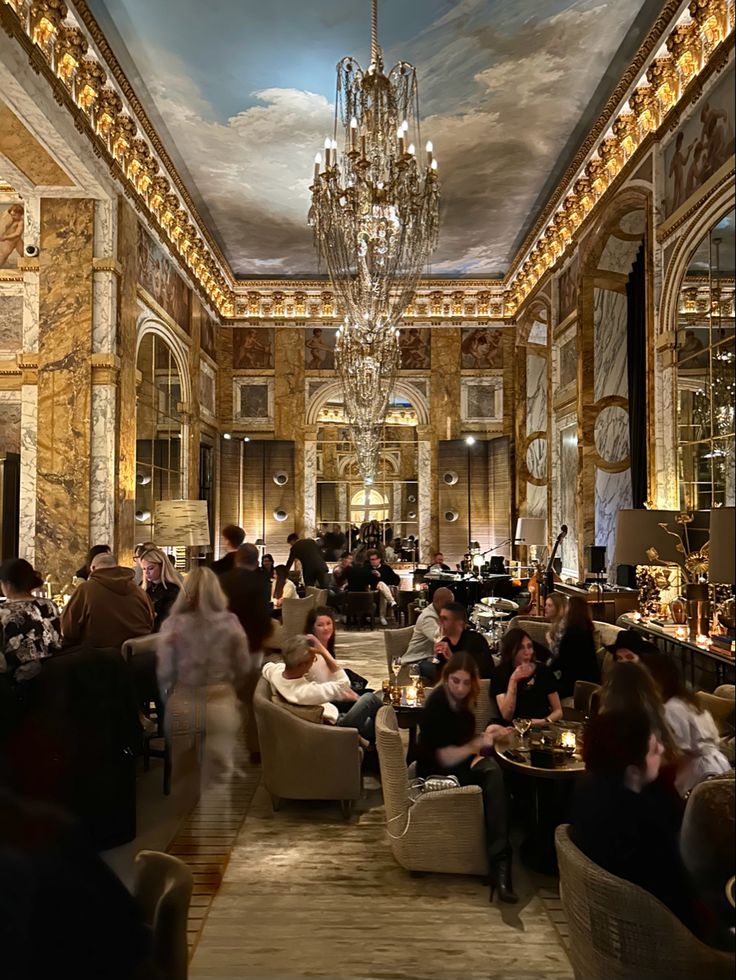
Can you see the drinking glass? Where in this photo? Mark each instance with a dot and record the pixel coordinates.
(522, 726)
(396, 667)
(414, 674)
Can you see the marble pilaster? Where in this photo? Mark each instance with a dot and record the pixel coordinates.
(127, 327)
(102, 465)
(289, 420)
(309, 477)
(32, 234)
(425, 487)
(28, 464)
(64, 396)
(609, 317)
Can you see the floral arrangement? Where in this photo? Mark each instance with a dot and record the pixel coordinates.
(695, 561)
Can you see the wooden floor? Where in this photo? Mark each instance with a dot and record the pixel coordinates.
(306, 894)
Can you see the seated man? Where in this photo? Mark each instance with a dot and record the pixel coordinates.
(290, 681)
(457, 636)
(381, 577)
(426, 629)
(337, 584)
(438, 563)
(107, 609)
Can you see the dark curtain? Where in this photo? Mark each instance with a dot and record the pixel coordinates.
(637, 367)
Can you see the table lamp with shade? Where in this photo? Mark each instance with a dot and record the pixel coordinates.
(181, 524)
(637, 531)
(531, 532)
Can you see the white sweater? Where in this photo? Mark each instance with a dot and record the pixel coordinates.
(696, 736)
(300, 690)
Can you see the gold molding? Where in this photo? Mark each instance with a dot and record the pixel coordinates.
(724, 175)
(28, 265)
(10, 275)
(107, 264)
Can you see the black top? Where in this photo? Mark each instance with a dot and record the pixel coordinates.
(307, 551)
(224, 564)
(385, 574)
(441, 726)
(358, 578)
(475, 644)
(634, 836)
(162, 598)
(532, 695)
(248, 594)
(576, 661)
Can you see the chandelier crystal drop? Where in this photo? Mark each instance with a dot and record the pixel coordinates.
(375, 219)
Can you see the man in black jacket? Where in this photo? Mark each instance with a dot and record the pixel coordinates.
(307, 552)
(381, 577)
(232, 538)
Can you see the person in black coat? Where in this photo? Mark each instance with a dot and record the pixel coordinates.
(624, 818)
(576, 658)
(307, 552)
(521, 687)
(232, 538)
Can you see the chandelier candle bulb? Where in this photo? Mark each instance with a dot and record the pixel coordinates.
(317, 165)
(412, 150)
(353, 133)
(400, 138)
(430, 151)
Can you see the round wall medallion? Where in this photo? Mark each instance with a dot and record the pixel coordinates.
(450, 477)
(451, 516)
(280, 515)
(280, 478)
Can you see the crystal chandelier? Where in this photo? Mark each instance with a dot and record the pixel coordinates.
(375, 218)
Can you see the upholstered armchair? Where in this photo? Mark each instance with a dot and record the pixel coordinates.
(442, 832)
(619, 931)
(305, 760)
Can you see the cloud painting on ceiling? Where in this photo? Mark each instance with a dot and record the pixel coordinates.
(242, 93)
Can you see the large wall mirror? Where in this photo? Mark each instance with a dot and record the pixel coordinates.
(344, 502)
(706, 366)
(159, 442)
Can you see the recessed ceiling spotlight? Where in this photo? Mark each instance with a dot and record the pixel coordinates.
(246, 438)
(469, 440)
(226, 435)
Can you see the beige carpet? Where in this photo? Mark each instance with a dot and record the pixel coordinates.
(307, 894)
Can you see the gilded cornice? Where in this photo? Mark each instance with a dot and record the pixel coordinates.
(107, 264)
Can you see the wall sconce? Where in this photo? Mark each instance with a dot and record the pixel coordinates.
(280, 478)
(450, 478)
(280, 515)
(143, 516)
(451, 516)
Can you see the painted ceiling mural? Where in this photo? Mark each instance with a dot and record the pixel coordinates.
(242, 94)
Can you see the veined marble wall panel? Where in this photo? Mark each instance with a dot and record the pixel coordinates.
(288, 383)
(536, 386)
(609, 343)
(536, 500)
(424, 495)
(612, 493)
(618, 255)
(28, 464)
(64, 399)
(102, 465)
(566, 510)
(10, 421)
(309, 520)
(127, 326)
(11, 320)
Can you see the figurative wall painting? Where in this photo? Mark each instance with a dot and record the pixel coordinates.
(207, 336)
(568, 289)
(319, 348)
(481, 348)
(415, 349)
(11, 235)
(157, 276)
(568, 362)
(701, 145)
(253, 348)
(11, 323)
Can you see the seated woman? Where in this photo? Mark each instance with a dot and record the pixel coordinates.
(620, 820)
(30, 630)
(521, 687)
(290, 680)
(448, 745)
(321, 623)
(268, 565)
(555, 607)
(161, 583)
(693, 730)
(576, 659)
(96, 549)
(631, 647)
(203, 647)
(281, 588)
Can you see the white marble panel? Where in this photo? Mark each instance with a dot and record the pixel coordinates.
(424, 494)
(536, 500)
(612, 434)
(618, 255)
(104, 311)
(609, 343)
(633, 223)
(396, 503)
(612, 493)
(105, 228)
(30, 311)
(310, 488)
(567, 512)
(102, 465)
(10, 421)
(28, 463)
(536, 387)
(32, 219)
(341, 496)
(538, 333)
(536, 458)
(11, 319)
(665, 449)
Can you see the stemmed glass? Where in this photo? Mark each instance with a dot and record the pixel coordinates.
(414, 674)
(396, 668)
(522, 726)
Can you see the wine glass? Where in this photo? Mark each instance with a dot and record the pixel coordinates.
(414, 674)
(396, 668)
(522, 726)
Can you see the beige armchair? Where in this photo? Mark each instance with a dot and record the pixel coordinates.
(294, 616)
(302, 760)
(442, 832)
(163, 890)
(618, 931)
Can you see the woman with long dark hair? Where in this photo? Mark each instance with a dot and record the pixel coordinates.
(96, 549)
(281, 587)
(576, 659)
(448, 745)
(521, 687)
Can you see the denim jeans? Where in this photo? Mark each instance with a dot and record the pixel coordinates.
(362, 715)
(428, 669)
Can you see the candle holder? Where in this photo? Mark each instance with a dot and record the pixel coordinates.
(411, 696)
(568, 742)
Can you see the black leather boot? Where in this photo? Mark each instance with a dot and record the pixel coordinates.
(500, 875)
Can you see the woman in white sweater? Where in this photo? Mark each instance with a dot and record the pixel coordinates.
(692, 727)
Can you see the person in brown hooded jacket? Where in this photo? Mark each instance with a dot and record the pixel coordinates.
(107, 609)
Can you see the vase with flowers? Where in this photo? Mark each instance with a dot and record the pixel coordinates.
(693, 569)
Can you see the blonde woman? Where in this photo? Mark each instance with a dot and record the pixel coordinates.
(555, 610)
(203, 653)
(161, 583)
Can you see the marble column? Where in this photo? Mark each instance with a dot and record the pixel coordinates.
(426, 490)
(127, 328)
(289, 419)
(64, 396)
(309, 479)
(29, 390)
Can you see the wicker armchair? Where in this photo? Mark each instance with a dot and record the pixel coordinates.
(618, 931)
(320, 595)
(303, 760)
(163, 890)
(442, 832)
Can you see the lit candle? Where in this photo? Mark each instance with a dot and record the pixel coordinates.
(433, 165)
(333, 152)
(411, 150)
(353, 133)
(411, 696)
(327, 152)
(680, 632)
(702, 640)
(317, 165)
(430, 150)
(567, 740)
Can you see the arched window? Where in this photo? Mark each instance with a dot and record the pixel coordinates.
(368, 504)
